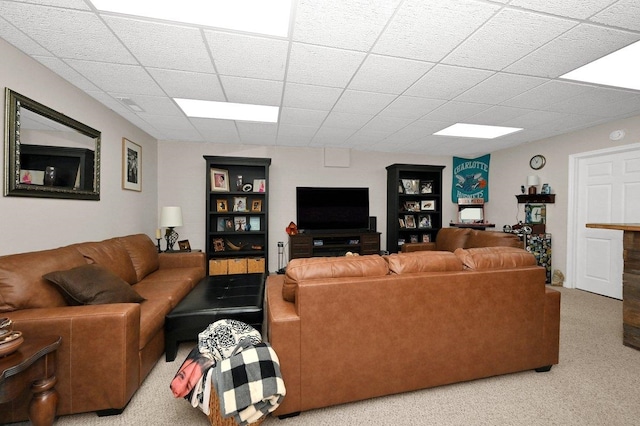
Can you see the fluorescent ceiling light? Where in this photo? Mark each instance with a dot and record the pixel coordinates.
(620, 69)
(228, 110)
(257, 16)
(476, 131)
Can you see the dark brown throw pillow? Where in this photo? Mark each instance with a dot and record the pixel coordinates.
(93, 285)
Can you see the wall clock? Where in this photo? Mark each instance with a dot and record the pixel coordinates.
(537, 162)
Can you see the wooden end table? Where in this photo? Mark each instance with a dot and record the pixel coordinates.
(32, 365)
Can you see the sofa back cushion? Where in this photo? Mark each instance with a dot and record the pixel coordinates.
(478, 238)
(21, 282)
(330, 267)
(484, 258)
(450, 239)
(143, 254)
(110, 254)
(423, 261)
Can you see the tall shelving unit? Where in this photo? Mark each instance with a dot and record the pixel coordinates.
(237, 218)
(414, 204)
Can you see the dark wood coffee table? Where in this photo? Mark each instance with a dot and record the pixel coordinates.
(238, 296)
(33, 365)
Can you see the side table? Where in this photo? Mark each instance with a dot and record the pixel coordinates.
(32, 366)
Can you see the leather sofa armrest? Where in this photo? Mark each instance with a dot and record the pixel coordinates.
(551, 331)
(97, 363)
(193, 259)
(409, 247)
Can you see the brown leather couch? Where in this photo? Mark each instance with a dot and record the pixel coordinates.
(108, 349)
(351, 328)
(450, 239)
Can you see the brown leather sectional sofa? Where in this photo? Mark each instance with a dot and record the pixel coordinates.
(351, 328)
(450, 239)
(108, 349)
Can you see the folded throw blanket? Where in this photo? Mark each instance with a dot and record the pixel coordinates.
(249, 384)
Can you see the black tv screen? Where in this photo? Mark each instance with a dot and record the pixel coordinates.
(328, 209)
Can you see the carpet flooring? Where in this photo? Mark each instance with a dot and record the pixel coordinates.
(596, 383)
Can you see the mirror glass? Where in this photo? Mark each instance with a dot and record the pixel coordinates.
(471, 214)
(48, 153)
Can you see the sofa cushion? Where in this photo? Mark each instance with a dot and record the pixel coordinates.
(21, 282)
(483, 258)
(143, 254)
(93, 285)
(450, 239)
(112, 255)
(478, 238)
(330, 267)
(423, 261)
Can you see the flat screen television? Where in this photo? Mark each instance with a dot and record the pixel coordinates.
(332, 209)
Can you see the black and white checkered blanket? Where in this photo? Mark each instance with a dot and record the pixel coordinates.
(249, 384)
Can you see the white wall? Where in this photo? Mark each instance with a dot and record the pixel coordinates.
(28, 224)
(182, 174)
(510, 167)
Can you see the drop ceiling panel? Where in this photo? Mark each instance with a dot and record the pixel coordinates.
(322, 66)
(499, 88)
(507, 37)
(299, 115)
(430, 30)
(333, 23)
(363, 102)
(130, 79)
(66, 72)
(188, 85)
(497, 115)
(590, 101)
(411, 107)
(447, 82)
(455, 111)
(217, 131)
(153, 105)
(623, 14)
(23, 42)
(252, 91)
(71, 4)
(575, 9)
(345, 120)
(150, 41)
(547, 94)
(163, 122)
(310, 97)
(257, 133)
(290, 135)
(388, 74)
(388, 124)
(331, 136)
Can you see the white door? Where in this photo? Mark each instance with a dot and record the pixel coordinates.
(608, 191)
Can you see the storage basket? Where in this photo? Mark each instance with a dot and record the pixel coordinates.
(218, 267)
(215, 416)
(237, 266)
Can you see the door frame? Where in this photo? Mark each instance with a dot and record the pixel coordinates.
(572, 231)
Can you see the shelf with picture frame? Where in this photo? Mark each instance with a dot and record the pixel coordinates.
(414, 202)
(237, 207)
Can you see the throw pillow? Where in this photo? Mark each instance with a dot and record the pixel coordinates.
(93, 285)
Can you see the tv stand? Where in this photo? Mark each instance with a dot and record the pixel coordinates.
(335, 243)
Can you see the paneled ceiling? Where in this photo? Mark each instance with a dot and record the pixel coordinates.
(379, 75)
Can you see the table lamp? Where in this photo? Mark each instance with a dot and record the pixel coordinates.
(171, 217)
(532, 182)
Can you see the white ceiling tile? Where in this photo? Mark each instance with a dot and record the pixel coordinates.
(576, 9)
(447, 82)
(164, 122)
(546, 94)
(345, 120)
(411, 107)
(295, 116)
(455, 111)
(129, 79)
(387, 74)
(496, 115)
(152, 105)
(216, 131)
(149, 42)
(430, 30)
(331, 136)
(188, 85)
(322, 66)
(585, 42)
(257, 133)
(533, 119)
(389, 124)
(363, 102)
(591, 101)
(333, 23)
(506, 38)
(248, 56)
(364, 138)
(290, 135)
(21, 41)
(310, 97)
(66, 72)
(499, 87)
(67, 33)
(252, 91)
(181, 135)
(71, 4)
(623, 14)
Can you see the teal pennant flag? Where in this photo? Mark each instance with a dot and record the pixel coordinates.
(470, 178)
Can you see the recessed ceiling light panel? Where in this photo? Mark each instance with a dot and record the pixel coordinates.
(478, 131)
(269, 17)
(228, 111)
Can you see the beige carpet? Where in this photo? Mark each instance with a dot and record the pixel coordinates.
(596, 383)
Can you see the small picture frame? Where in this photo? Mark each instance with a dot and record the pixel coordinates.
(220, 180)
(218, 244)
(184, 245)
(259, 185)
(426, 187)
(426, 238)
(221, 223)
(222, 206)
(240, 204)
(424, 221)
(412, 206)
(240, 223)
(410, 221)
(411, 186)
(401, 223)
(428, 205)
(254, 223)
(413, 238)
(256, 206)
(228, 224)
(131, 165)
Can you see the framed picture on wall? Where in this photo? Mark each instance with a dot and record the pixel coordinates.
(131, 165)
(220, 180)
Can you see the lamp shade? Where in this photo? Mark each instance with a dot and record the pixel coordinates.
(170, 217)
(533, 180)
